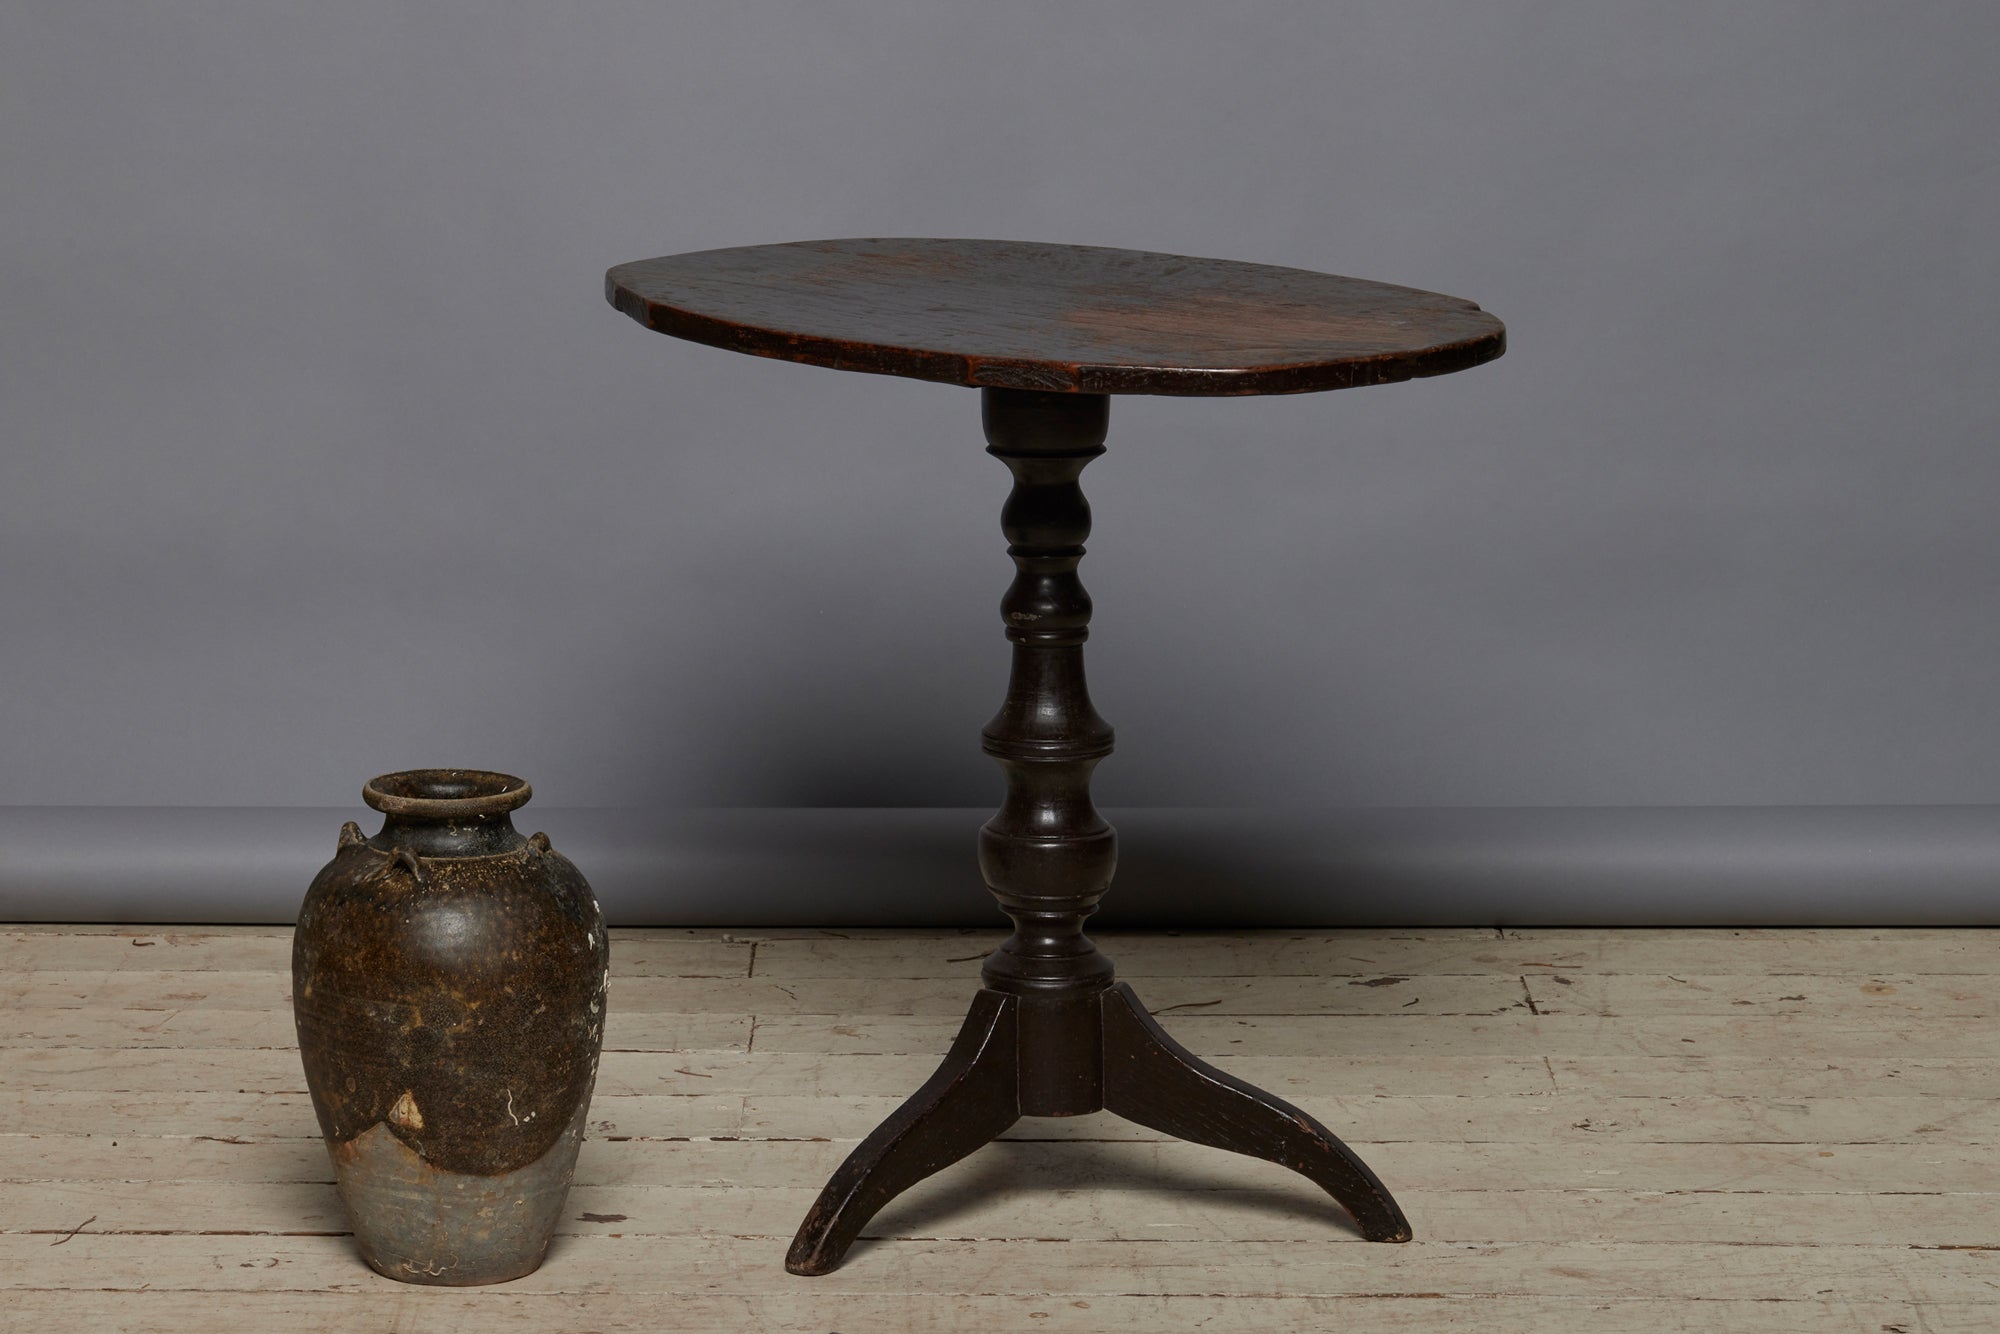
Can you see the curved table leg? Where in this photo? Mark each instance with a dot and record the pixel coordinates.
(1151, 1079)
(969, 1101)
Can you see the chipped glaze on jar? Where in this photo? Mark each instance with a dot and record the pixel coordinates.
(448, 979)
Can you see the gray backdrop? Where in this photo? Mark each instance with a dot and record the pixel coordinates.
(324, 456)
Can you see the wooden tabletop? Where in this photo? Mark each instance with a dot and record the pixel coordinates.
(1085, 319)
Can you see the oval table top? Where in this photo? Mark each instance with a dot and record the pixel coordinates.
(1079, 319)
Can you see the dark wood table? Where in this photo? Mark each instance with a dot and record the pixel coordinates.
(1047, 333)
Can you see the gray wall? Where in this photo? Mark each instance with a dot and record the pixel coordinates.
(323, 456)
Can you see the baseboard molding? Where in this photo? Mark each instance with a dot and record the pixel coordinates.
(1587, 866)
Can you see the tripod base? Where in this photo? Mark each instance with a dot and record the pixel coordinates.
(1143, 1075)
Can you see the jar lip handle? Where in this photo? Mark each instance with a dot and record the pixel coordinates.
(446, 793)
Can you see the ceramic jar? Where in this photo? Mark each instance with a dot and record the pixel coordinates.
(448, 979)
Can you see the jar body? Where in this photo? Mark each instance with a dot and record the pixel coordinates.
(448, 982)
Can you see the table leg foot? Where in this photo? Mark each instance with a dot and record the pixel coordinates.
(971, 1099)
(1152, 1080)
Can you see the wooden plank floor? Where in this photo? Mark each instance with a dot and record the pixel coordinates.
(1620, 1131)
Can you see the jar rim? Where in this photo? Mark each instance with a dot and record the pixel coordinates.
(446, 793)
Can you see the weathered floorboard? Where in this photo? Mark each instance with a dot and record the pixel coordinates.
(1590, 1130)
(799, 1310)
(1034, 1267)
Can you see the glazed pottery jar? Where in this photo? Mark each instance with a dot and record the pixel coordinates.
(448, 979)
